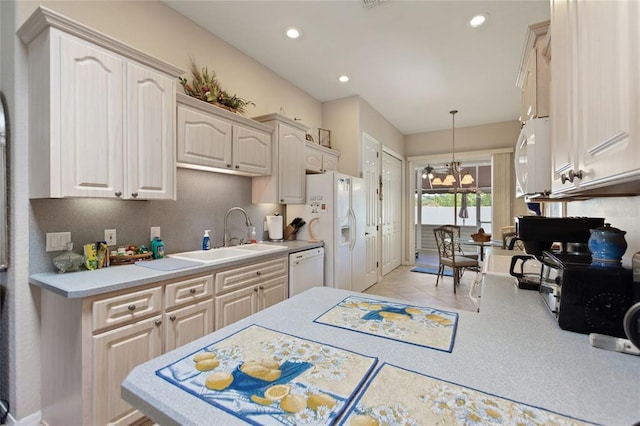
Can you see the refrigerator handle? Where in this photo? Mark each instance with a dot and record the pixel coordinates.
(352, 233)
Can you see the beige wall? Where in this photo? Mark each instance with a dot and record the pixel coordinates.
(156, 29)
(489, 136)
(348, 118)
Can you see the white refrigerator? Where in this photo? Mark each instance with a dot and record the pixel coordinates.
(338, 202)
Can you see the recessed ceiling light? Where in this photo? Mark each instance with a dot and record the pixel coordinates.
(478, 20)
(293, 32)
(343, 78)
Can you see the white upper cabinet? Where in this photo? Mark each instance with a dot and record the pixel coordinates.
(533, 78)
(286, 185)
(211, 138)
(102, 115)
(595, 101)
(319, 159)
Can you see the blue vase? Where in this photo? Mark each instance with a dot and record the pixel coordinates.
(607, 244)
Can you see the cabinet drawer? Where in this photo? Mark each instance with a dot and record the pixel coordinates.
(123, 308)
(186, 291)
(250, 274)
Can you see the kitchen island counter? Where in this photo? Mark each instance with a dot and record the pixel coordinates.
(512, 349)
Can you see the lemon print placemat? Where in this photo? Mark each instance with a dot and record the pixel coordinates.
(395, 396)
(428, 327)
(266, 377)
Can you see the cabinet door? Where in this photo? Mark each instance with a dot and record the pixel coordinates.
(313, 158)
(188, 324)
(564, 89)
(291, 185)
(90, 116)
(273, 292)
(528, 104)
(115, 353)
(151, 167)
(251, 150)
(608, 149)
(234, 306)
(329, 162)
(203, 139)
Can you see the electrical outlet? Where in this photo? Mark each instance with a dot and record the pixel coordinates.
(57, 240)
(155, 232)
(110, 237)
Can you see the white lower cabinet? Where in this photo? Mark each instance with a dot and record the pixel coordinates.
(243, 291)
(90, 345)
(115, 353)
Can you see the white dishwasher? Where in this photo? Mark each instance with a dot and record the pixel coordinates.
(306, 270)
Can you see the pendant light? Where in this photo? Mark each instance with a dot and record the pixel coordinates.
(450, 179)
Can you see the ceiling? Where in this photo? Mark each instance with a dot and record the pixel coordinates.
(412, 61)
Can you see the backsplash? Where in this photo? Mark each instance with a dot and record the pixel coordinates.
(620, 212)
(203, 200)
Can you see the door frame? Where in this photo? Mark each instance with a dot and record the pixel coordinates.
(413, 162)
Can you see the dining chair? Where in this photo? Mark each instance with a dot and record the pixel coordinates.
(450, 255)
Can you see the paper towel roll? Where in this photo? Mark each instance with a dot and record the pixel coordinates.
(274, 226)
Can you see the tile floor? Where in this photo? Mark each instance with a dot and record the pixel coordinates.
(420, 289)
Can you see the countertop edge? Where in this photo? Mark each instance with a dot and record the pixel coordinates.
(77, 285)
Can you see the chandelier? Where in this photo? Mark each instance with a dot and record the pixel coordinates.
(454, 171)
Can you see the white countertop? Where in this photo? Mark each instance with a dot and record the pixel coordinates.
(81, 284)
(513, 349)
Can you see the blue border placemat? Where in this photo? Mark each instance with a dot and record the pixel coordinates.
(395, 395)
(416, 325)
(266, 377)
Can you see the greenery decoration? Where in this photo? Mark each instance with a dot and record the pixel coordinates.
(205, 86)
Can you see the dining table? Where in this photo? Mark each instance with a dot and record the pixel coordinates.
(480, 244)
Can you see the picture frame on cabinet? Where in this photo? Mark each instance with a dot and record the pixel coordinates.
(324, 137)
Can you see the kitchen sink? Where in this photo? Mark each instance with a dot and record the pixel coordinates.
(227, 253)
(259, 247)
(209, 256)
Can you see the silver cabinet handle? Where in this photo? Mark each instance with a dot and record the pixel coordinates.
(255, 289)
(131, 307)
(134, 195)
(192, 290)
(261, 287)
(158, 323)
(172, 317)
(118, 194)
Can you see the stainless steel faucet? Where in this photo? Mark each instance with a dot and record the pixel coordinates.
(247, 221)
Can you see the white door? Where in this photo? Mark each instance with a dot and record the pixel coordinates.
(391, 212)
(371, 175)
(291, 179)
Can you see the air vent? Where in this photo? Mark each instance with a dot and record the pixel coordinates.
(371, 3)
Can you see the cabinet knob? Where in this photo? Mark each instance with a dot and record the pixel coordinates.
(158, 323)
(134, 195)
(172, 317)
(237, 166)
(131, 307)
(229, 165)
(281, 200)
(118, 194)
(258, 273)
(192, 290)
(261, 287)
(255, 289)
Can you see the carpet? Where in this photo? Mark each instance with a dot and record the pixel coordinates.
(416, 325)
(411, 398)
(266, 377)
(432, 271)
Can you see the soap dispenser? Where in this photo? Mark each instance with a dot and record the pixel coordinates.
(206, 240)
